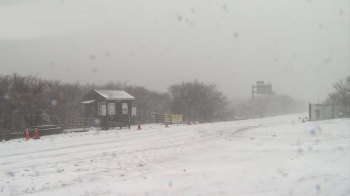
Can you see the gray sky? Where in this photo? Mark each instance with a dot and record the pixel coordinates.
(301, 47)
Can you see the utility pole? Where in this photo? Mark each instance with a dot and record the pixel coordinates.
(253, 92)
(253, 101)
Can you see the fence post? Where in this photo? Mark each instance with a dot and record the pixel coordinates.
(310, 111)
(156, 119)
(84, 123)
(171, 119)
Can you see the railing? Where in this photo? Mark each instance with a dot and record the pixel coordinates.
(114, 121)
(163, 118)
(124, 121)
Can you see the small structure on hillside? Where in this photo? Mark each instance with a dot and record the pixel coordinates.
(108, 108)
(323, 111)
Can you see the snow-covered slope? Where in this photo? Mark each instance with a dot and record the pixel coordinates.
(269, 156)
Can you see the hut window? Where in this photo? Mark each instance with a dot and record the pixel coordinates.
(103, 109)
(99, 109)
(111, 108)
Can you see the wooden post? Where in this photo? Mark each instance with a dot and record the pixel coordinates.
(310, 111)
(120, 121)
(107, 116)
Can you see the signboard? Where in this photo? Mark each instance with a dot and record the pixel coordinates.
(125, 108)
(264, 89)
(174, 118)
(103, 110)
(111, 108)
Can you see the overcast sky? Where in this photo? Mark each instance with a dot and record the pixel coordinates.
(301, 47)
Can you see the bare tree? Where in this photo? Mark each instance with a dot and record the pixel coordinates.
(23, 100)
(341, 95)
(147, 101)
(197, 98)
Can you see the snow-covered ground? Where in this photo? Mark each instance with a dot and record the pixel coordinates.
(270, 156)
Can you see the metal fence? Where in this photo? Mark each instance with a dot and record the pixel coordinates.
(85, 123)
(323, 111)
(122, 121)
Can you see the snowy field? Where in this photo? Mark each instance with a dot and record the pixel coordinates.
(269, 156)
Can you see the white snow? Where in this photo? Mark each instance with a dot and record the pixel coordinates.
(269, 156)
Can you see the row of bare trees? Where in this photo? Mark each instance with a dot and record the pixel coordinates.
(25, 100)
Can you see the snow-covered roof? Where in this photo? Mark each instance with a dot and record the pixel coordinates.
(115, 95)
(87, 102)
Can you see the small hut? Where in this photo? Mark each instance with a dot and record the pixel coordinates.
(108, 108)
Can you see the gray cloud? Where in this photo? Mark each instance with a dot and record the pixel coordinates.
(300, 47)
